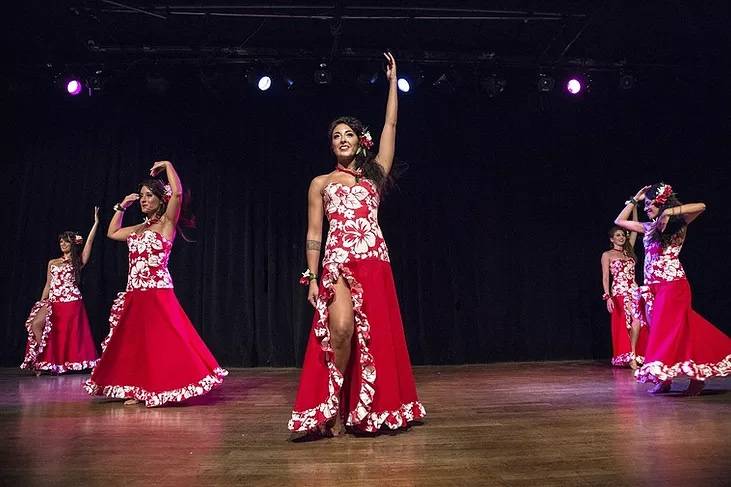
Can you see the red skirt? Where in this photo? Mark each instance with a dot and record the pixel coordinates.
(152, 352)
(66, 342)
(625, 310)
(682, 342)
(377, 388)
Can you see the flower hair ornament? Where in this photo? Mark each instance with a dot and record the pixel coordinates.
(78, 239)
(663, 193)
(366, 141)
(168, 193)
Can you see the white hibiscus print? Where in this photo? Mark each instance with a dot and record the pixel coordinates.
(359, 235)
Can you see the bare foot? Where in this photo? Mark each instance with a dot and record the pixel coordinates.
(337, 428)
(660, 387)
(633, 364)
(694, 388)
(130, 402)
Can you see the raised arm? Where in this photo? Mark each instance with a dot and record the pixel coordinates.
(86, 253)
(176, 198)
(115, 230)
(387, 143)
(633, 235)
(313, 245)
(622, 219)
(47, 288)
(689, 211)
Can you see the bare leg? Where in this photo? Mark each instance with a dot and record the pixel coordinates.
(342, 324)
(634, 334)
(39, 323)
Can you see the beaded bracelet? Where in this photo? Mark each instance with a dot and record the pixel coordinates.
(606, 297)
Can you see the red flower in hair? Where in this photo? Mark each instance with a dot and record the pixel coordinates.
(663, 193)
(366, 140)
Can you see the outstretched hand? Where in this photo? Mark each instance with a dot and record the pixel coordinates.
(96, 214)
(158, 167)
(390, 66)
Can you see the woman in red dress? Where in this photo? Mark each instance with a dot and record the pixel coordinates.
(152, 353)
(356, 369)
(681, 342)
(629, 335)
(59, 337)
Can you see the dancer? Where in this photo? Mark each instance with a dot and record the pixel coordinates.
(681, 342)
(622, 302)
(59, 337)
(356, 369)
(152, 353)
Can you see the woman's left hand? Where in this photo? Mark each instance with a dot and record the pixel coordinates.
(390, 67)
(158, 167)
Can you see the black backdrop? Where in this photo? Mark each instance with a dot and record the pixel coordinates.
(495, 230)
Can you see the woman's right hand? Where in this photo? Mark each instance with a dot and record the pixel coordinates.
(129, 200)
(610, 305)
(312, 292)
(641, 193)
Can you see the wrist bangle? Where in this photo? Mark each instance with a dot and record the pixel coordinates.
(119, 207)
(631, 201)
(606, 297)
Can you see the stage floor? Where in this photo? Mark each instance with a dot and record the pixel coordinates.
(528, 424)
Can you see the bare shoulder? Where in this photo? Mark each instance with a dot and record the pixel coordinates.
(319, 182)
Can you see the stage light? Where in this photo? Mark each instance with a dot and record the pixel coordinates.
(74, 87)
(545, 83)
(626, 81)
(259, 77)
(573, 86)
(404, 85)
(323, 76)
(264, 83)
(410, 78)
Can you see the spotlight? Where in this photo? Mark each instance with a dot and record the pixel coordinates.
(545, 83)
(323, 76)
(74, 86)
(492, 85)
(627, 81)
(264, 83)
(410, 79)
(574, 86)
(404, 85)
(259, 78)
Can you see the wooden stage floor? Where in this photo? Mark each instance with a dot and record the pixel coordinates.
(524, 424)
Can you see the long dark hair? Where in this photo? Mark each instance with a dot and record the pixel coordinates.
(186, 220)
(676, 224)
(76, 248)
(628, 249)
(365, 159)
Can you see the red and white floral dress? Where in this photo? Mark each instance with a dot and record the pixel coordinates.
(152, 353)
(681, 342)
(627, 304)
(377, 388)
(66, 341)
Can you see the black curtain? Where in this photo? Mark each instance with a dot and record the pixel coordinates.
(495, 229)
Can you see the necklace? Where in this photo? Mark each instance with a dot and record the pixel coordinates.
(357, 174)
